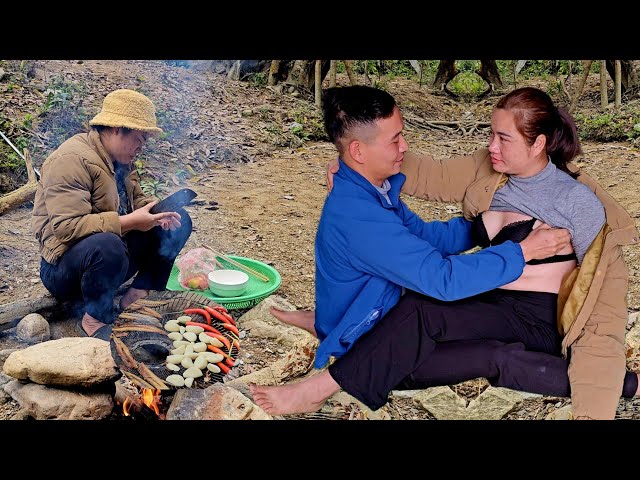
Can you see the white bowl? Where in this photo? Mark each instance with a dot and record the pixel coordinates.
(228, 283)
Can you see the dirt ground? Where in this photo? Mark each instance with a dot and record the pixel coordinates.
(261, 199)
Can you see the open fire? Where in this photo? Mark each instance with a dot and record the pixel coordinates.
(147, 403)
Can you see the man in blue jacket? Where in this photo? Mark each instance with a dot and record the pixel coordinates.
(369, 245)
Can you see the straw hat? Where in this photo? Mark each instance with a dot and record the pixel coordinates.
(127, 108)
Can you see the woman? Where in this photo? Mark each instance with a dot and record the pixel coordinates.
(511, 335)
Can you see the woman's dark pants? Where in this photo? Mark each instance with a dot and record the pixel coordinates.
(508, 337)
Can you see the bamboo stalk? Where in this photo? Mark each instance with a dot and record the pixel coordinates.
(259, 275)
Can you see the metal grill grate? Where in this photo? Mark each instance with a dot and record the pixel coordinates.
(140, 345)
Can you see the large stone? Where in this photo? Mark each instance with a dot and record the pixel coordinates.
(42, 403)
(296, 363)
(217, 402)
(74, 361)
(344, 399)
(563, 413)
(261, 323)
(33, 328)
(444, 404)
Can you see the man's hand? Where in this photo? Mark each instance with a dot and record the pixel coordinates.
(544, 242)
(141, 219)
(332, 168)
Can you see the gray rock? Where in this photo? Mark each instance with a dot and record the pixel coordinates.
(42, 403)
(217, 402)
(444, 404)
(75, 361)
(33, 328)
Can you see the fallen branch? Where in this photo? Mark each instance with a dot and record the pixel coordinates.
(19, 196)
(14, 311)
(22, 194)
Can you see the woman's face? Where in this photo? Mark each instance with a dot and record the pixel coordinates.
(510, 152)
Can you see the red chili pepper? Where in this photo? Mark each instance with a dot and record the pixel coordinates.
(223, 367)
(222, 338)
(232, 328)
(221, 308)
(228, 358)
(236, 344)
(223, 317)
(206, 327)
(200, 311)
(224, 312)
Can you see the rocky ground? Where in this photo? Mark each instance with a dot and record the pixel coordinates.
(250, 154)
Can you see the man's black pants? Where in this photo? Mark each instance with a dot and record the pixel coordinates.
(94, 268)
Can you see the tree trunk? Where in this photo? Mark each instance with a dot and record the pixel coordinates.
(302, 74)
(332, 73)
(629, 76)
(318, 83)
(273, 72)
(490, 74)
(348, 66)
(234, 73)
(446, 71)
(604, 99)
(586, 65)
(618, 84)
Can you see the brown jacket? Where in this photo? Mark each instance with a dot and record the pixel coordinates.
(592, 307)
(77, 195)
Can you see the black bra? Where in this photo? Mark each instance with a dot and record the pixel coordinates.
(516, 232)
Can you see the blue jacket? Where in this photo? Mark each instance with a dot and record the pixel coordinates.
(367, 250)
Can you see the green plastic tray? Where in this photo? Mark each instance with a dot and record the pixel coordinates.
(256, 291)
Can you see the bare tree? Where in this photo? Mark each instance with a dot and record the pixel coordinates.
(332, 73)
(273, 71)
(586, 65)
(318, 83)
(618, 84)
(604, 100)
(348, 65)
(629, 75)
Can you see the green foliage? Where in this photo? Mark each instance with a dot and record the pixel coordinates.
(258, 79)
(467, 84)
(164, 119)
(152, 187)
(392, 68)
(61, 94)
(27, 122)
(310, 121)
(609, 126)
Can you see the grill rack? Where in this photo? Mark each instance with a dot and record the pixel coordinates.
(150, 348)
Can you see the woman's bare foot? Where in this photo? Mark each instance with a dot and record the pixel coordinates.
(306, 396)
(131, 295)
(304, 319)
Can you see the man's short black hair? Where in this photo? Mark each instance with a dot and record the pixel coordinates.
(347, 107)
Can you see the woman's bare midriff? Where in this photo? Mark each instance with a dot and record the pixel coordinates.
(546, 277)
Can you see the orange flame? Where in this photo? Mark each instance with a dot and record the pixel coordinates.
(125, 407)
(150, 399)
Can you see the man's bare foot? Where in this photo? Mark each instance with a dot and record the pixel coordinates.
(131, 295)
(304, 319)
(306, 396)
(91, 324)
